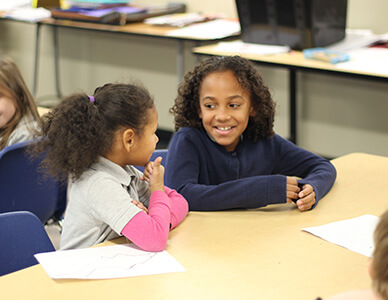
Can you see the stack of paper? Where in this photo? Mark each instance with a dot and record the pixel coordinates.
(216, 29)
(179, 19)
(354, 40)
(248, 48)
(93, 3)
(28, 14)
(6, 5)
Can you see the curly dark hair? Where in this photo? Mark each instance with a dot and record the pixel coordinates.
(186, 107)
(380, 257)
(77, 131)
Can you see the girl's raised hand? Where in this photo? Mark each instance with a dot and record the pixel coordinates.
(306, 198)
(157, 176)
(147, 171)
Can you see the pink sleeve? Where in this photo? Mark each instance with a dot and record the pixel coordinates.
(150, 232)
(179, 207)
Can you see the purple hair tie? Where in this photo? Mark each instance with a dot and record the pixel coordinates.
(91, 98)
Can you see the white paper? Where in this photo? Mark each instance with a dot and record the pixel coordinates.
(355, 39)
(208, 30)
(28, 14)
(372, 60)
(249, 48)
(355, 234)
(107, 262)
(12, 4)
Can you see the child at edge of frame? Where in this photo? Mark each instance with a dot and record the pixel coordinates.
(19, 117)
(378, 268)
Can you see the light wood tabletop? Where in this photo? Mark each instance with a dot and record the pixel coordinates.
(137, 28)
(290, 59)
(43, 110)
(132, 28)
(244, 254)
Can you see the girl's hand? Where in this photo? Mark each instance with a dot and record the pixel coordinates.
(306, 198)
(292, 189)
(147, 171)
(140, 205)
(157, 176)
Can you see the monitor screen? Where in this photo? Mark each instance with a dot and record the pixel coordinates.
(296, 23)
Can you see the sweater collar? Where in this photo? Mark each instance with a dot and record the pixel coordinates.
(124, 175)
(213, 140)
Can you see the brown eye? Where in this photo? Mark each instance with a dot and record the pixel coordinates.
(235, 105)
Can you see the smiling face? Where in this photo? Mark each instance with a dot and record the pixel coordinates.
(7, 107)
(225, 108)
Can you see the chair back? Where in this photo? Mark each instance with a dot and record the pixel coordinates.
(158, 152)
(22, 235)
(24, 187)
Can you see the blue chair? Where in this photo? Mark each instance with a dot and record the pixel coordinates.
(158, 152)
(24, 187)
(22, 235)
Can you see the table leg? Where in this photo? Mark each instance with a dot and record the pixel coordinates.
(179, 61)
(36, 61)
(293, 105)
(56, 62)
(197, 57)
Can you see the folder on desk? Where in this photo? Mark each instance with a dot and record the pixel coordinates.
(181, 19)
(116, 14)
(111, 15)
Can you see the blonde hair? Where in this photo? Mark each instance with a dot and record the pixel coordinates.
(12, 81)
(380, 258)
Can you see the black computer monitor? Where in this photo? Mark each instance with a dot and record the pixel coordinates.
(299, 24)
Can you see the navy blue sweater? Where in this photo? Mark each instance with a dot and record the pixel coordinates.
(254, 175)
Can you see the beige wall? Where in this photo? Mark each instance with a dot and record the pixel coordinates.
(337, 115)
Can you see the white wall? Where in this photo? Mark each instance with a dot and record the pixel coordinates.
(337, 115)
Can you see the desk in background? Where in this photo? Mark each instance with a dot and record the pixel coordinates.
(245, 254)
(294, 62)
(43, 110)
(130, 29)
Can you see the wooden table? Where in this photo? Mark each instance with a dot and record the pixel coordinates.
(294, 61)
(130, 29)
(244, 254)
(43, 110)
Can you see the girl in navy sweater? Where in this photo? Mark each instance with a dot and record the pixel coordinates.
(225, 153)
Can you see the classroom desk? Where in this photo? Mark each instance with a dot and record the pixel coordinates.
(244, 254)
(130, 29)
(294, 61)
(43, 110)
